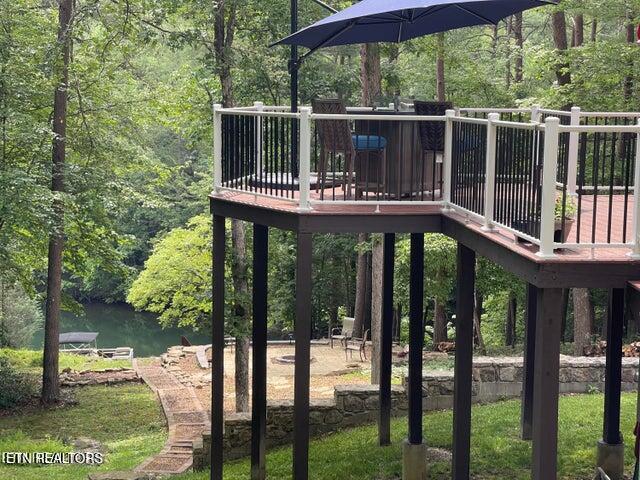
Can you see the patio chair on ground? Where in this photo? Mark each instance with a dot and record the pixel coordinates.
(335, 138)
(359, 345)
(342, 333)
(432, 139)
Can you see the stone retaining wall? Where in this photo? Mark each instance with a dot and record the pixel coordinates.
(493, 379)
(108, 376)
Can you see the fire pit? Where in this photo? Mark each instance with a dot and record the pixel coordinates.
(287, 360)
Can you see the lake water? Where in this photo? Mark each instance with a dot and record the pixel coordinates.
(119, 325)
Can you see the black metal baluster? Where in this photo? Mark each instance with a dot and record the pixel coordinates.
(596, 159)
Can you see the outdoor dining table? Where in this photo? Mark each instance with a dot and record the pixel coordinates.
(410, 171)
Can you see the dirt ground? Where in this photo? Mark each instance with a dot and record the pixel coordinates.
(328, 368)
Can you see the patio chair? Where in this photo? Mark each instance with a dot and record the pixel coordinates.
(432, 136)
(359, 345)
(335, 137)
(342, 333)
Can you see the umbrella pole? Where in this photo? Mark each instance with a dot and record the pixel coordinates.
(293, 71)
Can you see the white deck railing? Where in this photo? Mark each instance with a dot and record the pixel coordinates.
(561, 131)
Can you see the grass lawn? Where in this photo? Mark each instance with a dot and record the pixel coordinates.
(497, 453)
(126, 418)
(31, 360)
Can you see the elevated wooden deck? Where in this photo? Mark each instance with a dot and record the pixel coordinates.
(595, 267)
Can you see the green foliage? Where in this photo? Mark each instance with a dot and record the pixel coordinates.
(127, 418)
(176, 280)
(20, 316)
(16, 387)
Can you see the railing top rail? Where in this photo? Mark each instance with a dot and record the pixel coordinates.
(519, 125)
(600, 128)
(256, 113)
(477, 121)
(381, 118)
(494, 110)
(611, 114)
(551, 111)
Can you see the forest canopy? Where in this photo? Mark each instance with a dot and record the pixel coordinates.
(142, 79)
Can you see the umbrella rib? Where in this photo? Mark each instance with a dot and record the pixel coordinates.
(471, 12)
(429, 11)
(327, 40)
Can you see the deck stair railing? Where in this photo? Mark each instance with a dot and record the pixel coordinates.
(554, 178)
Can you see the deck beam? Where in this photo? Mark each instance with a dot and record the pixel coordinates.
(259, 337)
(302, 331)
(386, 340)
(466, 273)
(217, 349)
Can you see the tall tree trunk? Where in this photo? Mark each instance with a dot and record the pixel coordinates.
(510, 327)
(519, 38)
(371, 81)
(377, 257)
(439, 324)
(440, 76)
(559, 24)
(370, 75)
(628, 79)
(509, 23)
(223, 35)
(582, 320)
(239, 271)
(578, 30)
(594, 30)
(50, 379)
(368, 295)
(477, 322)
(565, 313)
(361, 286)
(224, 31)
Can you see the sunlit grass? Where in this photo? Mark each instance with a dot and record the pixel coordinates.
(31, 360)
(497, 453)
(126, 418)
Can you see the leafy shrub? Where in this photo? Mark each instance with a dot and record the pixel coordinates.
(20, 316)
(16, 386)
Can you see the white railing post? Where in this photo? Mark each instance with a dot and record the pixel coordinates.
(217, 148)
(535, 113)
(305, 158)
(259, 107)
(549, 173)
(490, 172)
(635, 253)
(572, 163)
(448, 159)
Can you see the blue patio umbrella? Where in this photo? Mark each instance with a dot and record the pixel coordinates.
(371, 21)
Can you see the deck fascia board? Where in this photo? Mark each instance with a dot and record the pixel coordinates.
(564, 271)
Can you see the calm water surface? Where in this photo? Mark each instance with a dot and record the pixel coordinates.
(119, 325)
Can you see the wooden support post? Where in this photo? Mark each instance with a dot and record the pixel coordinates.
(526, 409)
(217, 348)
(384, 419)
(463, 363)
(545, 385)
(613, 370)
(259, 396)
(416, 337)
(302, 332)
